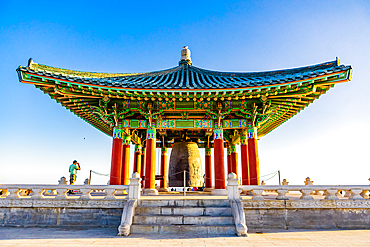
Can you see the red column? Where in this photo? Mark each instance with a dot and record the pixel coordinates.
(125, 176)
(142, 173)
(234, 160)
(244, 159)
(137, 159)
(164, 170)
(219, 159)
(254, 170)
(150, 161)
(208, 168)
(115, 168)
(228, 159)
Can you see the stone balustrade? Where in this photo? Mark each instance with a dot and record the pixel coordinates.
(81, 192)
(329, 192)
(298, 192)
(39, 191)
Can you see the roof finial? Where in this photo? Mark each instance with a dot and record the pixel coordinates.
(185, 56)
(30, 62)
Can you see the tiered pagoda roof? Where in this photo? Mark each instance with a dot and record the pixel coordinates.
(187, 77)
(185, 87)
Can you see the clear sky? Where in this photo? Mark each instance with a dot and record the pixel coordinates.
(328, 141)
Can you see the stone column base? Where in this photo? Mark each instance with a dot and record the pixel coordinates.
(219, 192)
(150, 192)
(163, 190)
(208, 189)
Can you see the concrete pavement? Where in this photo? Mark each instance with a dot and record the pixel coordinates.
(107, 237)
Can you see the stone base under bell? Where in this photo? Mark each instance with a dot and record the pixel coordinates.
(208, 189)
(150, 192)
(219, 192)
(163, 190)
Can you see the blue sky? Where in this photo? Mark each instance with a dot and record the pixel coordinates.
(328, 141)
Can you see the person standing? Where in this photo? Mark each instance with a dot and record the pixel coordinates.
(73, 171)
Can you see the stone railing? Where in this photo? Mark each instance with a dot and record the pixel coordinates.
(309, 192)
(304, 192)
(84, 192)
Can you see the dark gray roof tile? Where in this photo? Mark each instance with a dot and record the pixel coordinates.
(189, 77)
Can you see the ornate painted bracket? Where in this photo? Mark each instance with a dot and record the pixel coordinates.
(105, 116)
(219, 115)
(111, 118)
(256, 115)
(150, 115)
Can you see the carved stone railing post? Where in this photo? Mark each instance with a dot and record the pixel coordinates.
(13, 193)
(85, 194)
(331, 194)
(134, 186)
(257, 194)
(355, 194)
(110, 194)
(61, 193)
(306, 194)
(37, 193)
(282, 194)
(232, 187)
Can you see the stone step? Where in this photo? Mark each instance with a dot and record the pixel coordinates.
(186, 211)
(183, 220)
(183, 229)
(184, 203)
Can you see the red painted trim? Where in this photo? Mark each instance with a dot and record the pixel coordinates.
(254, 170)
(164, 171)
(137, 162)
(125, 176)
(115, 169)
(208, 171)
(234, 163)
(150, 164)
(142, 173)
(219, 164)
(245, 164)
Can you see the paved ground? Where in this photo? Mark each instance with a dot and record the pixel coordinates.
(107, 237)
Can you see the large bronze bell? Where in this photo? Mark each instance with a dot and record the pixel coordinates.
(185, 156)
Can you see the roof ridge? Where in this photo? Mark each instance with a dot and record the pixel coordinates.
(57, 70)
(272, 72)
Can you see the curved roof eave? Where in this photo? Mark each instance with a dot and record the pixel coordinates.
(187, 77)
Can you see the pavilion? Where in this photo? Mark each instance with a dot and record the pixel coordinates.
(214, 109)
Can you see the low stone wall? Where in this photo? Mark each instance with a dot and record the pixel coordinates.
(60, 213)
(307, 214)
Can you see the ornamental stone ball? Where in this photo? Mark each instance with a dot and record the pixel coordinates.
(308, 181)
(232, 175)
(62, 180)
(285, 182)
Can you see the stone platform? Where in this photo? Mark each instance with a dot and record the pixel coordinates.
(263, 207)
